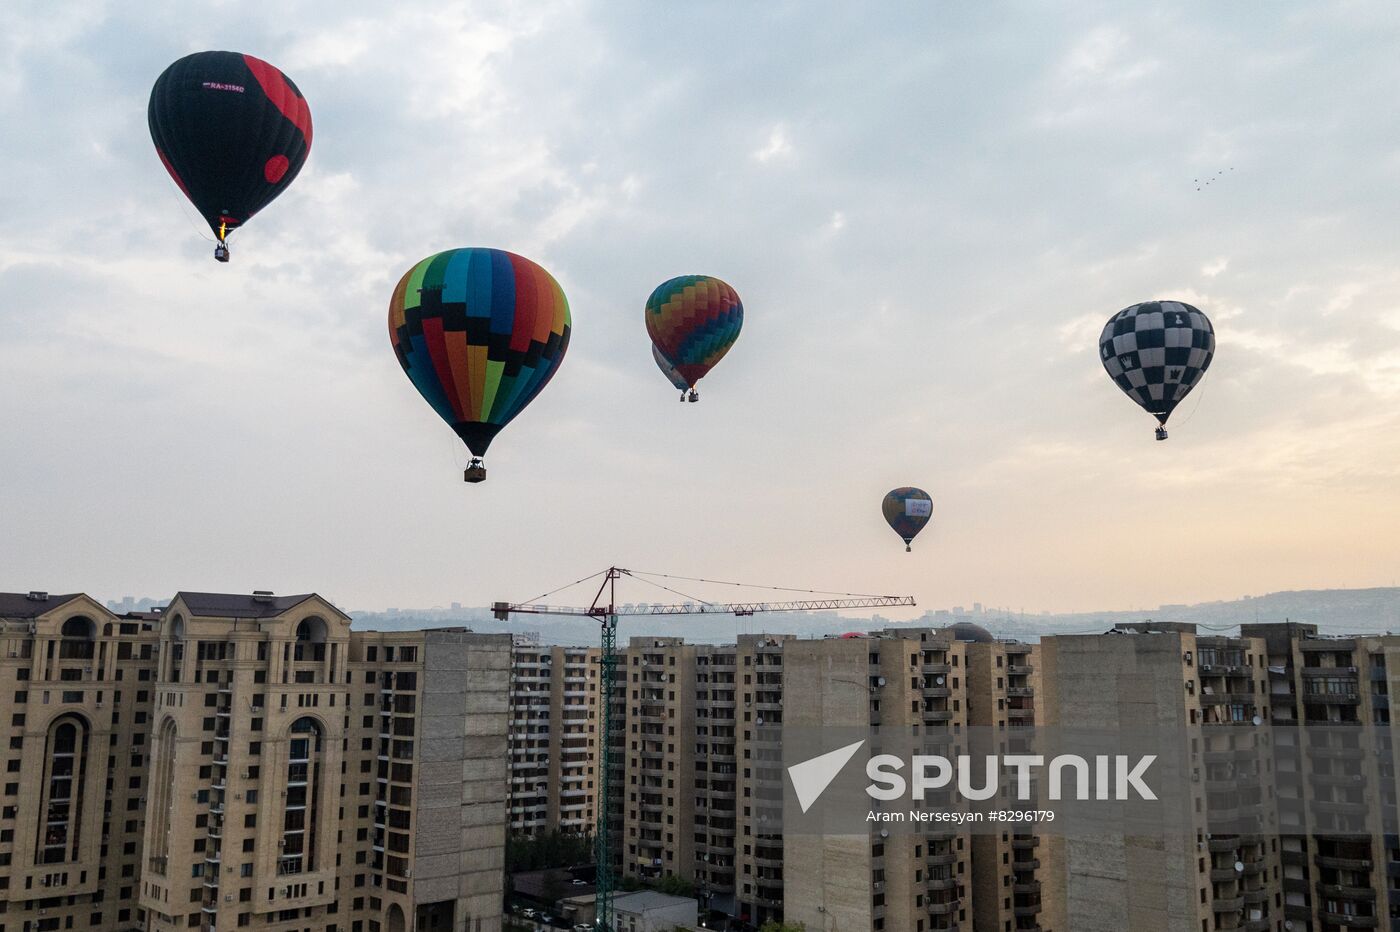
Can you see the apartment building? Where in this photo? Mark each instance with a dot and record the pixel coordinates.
(1002, 685)
(1212, 694)
(245, 761)
(697, 756)
(658, 792)
(555, 738)
(898, 680)
(1330, 701)
(77, 684)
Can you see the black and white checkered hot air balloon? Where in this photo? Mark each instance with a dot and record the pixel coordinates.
(1157, 351)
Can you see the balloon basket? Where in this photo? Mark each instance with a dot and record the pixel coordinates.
(221, 252)
(1161, 433)
(908, 548)
(475, 471)
(693, 396)
(682, 397)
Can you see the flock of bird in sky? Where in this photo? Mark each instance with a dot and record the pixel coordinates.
(480, 332)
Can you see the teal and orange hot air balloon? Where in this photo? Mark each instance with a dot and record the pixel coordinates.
(693, 320)
(668, 370)
(907, 510)
(479, 332)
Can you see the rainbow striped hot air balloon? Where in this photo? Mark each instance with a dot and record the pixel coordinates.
(693, 320)
(479, 332)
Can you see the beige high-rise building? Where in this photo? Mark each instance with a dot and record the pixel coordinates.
(77, 690)
(1330, 698)
(694, 759)
(1164, 677)
(659, 793)
(879, 880)
(689, 773)
(1002, 686)
(246, 761)
(555, 738)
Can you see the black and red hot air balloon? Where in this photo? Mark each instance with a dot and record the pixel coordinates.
(233, 131)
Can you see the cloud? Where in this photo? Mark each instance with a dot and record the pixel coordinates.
(777, 146)
(927, 242)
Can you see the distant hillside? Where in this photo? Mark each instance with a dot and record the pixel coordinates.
(1334, 611)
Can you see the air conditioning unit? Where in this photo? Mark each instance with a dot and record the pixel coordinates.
(257, 710)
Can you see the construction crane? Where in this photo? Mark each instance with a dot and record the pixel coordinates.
(605, 608)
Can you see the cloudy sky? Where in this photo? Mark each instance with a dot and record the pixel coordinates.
(929, 214)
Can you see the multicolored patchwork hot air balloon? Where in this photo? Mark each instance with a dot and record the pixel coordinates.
(694, 320)
(668, 370)
(479, 332)
(907, 510)
(233, 132)
(1156, 352)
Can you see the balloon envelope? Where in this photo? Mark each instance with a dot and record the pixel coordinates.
(668, 370)
(907, 510)
(232, 130)
(479, 332)
(1156, 352)
(694, 320)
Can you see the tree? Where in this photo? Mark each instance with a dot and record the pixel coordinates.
(676, 885)
(773, 925)
(552, 889)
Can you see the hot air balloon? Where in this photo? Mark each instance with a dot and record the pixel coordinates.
(479, 333)
(907, 510)
(669, 371)
(233, 132)
(694, 320)
(1157, 352)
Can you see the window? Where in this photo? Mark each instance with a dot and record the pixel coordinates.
(164, 792)
(62, 788)
(305, 758)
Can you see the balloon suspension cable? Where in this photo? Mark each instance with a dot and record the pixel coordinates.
(199, 224)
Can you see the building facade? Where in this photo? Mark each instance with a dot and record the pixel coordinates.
(696, 755)
(246, 761)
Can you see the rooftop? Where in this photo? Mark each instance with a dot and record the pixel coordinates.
(32, 604)
(229, 605)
